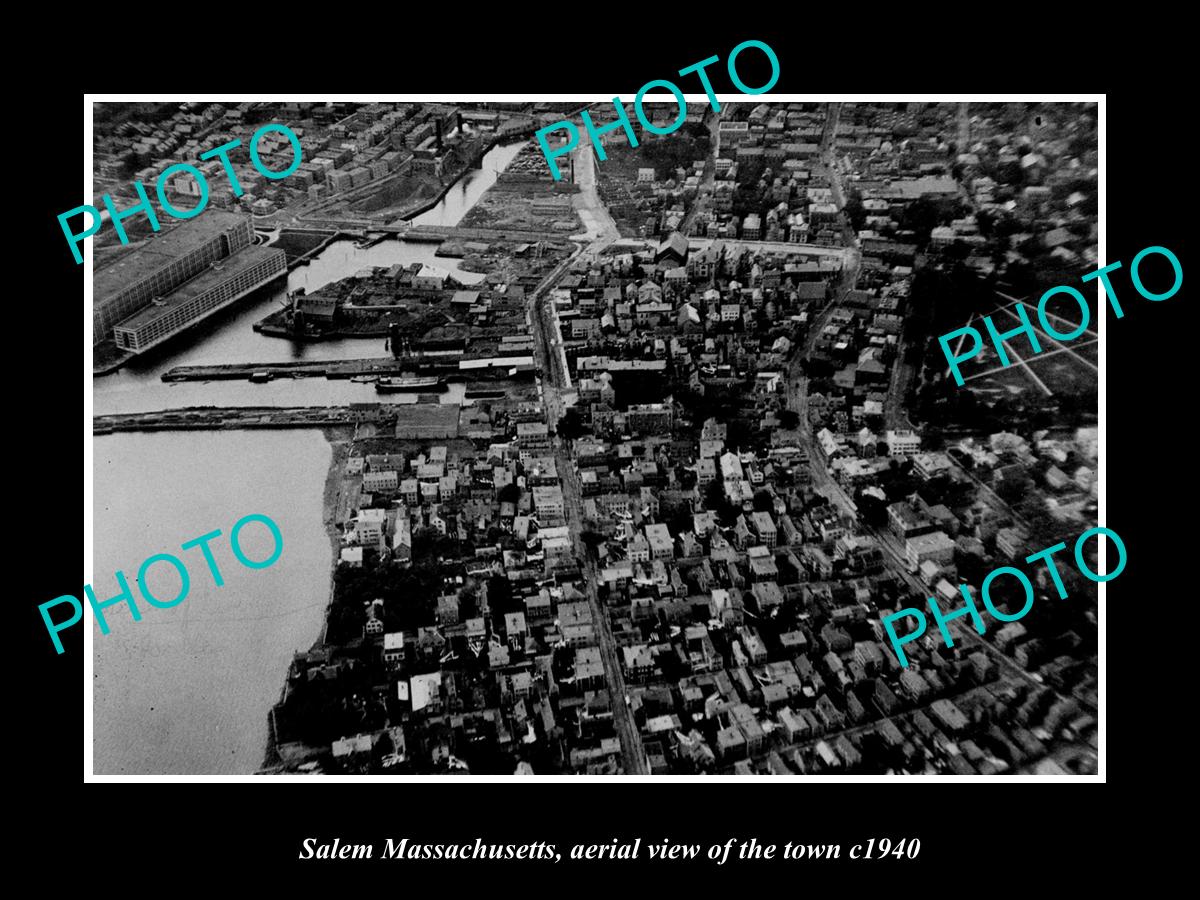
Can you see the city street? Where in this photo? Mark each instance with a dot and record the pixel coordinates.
(555, 380)
(601, 230)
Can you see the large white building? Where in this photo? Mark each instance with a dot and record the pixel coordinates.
(224, 282)
(370, 527)
(903, 443)
(163, 263)
(935, 546)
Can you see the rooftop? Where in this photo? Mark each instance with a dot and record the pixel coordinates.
(161, 250)
(206, 280)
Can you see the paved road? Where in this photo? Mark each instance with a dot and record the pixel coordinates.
(632, 752)
(600, 229)
(830, 488)
(782, 247)
(797, 393)
(713, 121)
(555, 380)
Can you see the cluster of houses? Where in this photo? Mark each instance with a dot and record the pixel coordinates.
(1014, 184)
(671, 524)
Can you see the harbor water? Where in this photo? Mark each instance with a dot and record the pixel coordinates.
(228, 337)
(187, 690)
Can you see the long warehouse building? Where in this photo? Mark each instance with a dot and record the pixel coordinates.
(222, 284)
(163, 263)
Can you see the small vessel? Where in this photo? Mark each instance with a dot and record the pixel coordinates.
(409, 385)
(260, 377)
(364, 379)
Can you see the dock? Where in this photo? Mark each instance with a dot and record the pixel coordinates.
(451, 368)
(218, 418)
(328, 368)
(414, 421)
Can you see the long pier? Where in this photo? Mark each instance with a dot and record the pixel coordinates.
(213, 417)
(449, 367)
(327, 368)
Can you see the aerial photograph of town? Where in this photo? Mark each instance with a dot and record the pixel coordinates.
(616, 473)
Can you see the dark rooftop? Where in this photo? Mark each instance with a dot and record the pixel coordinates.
(206, 280)
(161, 249)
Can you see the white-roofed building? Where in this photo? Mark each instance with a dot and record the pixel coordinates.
(425, 691)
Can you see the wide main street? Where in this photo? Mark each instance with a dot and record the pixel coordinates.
(554, 383)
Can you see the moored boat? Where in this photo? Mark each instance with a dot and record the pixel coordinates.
(409, 385)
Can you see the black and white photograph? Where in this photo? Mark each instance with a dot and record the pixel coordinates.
(520, 454)
(738, 434)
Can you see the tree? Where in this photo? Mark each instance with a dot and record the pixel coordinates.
(590, 537)
(986, 220)
(715, 500)
(570, 425)
(854, 211)
(676, 514)
(920, 216)
(430, 544)
(500, 595)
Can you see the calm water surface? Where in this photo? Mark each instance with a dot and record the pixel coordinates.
(187, 690)
(228, 337)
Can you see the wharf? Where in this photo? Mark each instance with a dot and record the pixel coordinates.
(414, 421)
(211, 417)
(328, 368)
(451, 368)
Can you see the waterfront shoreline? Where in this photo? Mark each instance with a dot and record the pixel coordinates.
(340, 440)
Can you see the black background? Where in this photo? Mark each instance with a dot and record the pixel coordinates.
(238, 835)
